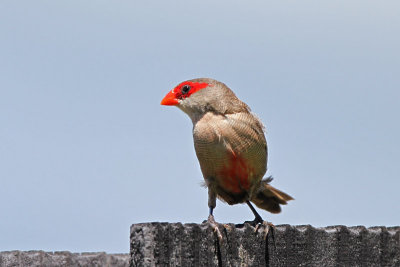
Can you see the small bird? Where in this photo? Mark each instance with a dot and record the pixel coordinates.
(230, 145)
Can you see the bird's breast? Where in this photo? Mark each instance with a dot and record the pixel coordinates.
(236, 174)
(232, 152)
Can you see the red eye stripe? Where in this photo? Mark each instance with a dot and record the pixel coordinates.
(194, 87)
(176, 94)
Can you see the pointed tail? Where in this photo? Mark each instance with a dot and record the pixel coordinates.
(269, 198)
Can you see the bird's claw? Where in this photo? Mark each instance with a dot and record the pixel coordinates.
(258, 223)
(266, 225)
(214, 225)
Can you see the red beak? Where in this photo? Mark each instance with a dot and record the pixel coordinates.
(170, 100)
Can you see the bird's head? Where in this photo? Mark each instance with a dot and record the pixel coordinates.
(198, 96)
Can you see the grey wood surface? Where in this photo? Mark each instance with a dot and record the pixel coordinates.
(176, 244)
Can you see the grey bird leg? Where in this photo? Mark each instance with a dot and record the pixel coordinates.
(212, 199)
(257, 218)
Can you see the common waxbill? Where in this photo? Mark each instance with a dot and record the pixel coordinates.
(230, 145)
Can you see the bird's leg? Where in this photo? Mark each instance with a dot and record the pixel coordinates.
(212, 199)
(258, 221)
(214, 225)
(257, 218)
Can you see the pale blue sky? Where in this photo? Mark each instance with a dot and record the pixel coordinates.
(86, 150)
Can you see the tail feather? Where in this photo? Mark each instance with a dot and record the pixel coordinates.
(269, 198)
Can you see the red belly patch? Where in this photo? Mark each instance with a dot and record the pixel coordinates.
(235, 175)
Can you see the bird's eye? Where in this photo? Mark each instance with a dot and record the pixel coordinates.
(185, 89)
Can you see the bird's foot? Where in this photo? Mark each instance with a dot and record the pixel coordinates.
(214, 225)
(267, 226)
(258, 223)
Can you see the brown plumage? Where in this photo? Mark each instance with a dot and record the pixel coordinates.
(230, 145)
